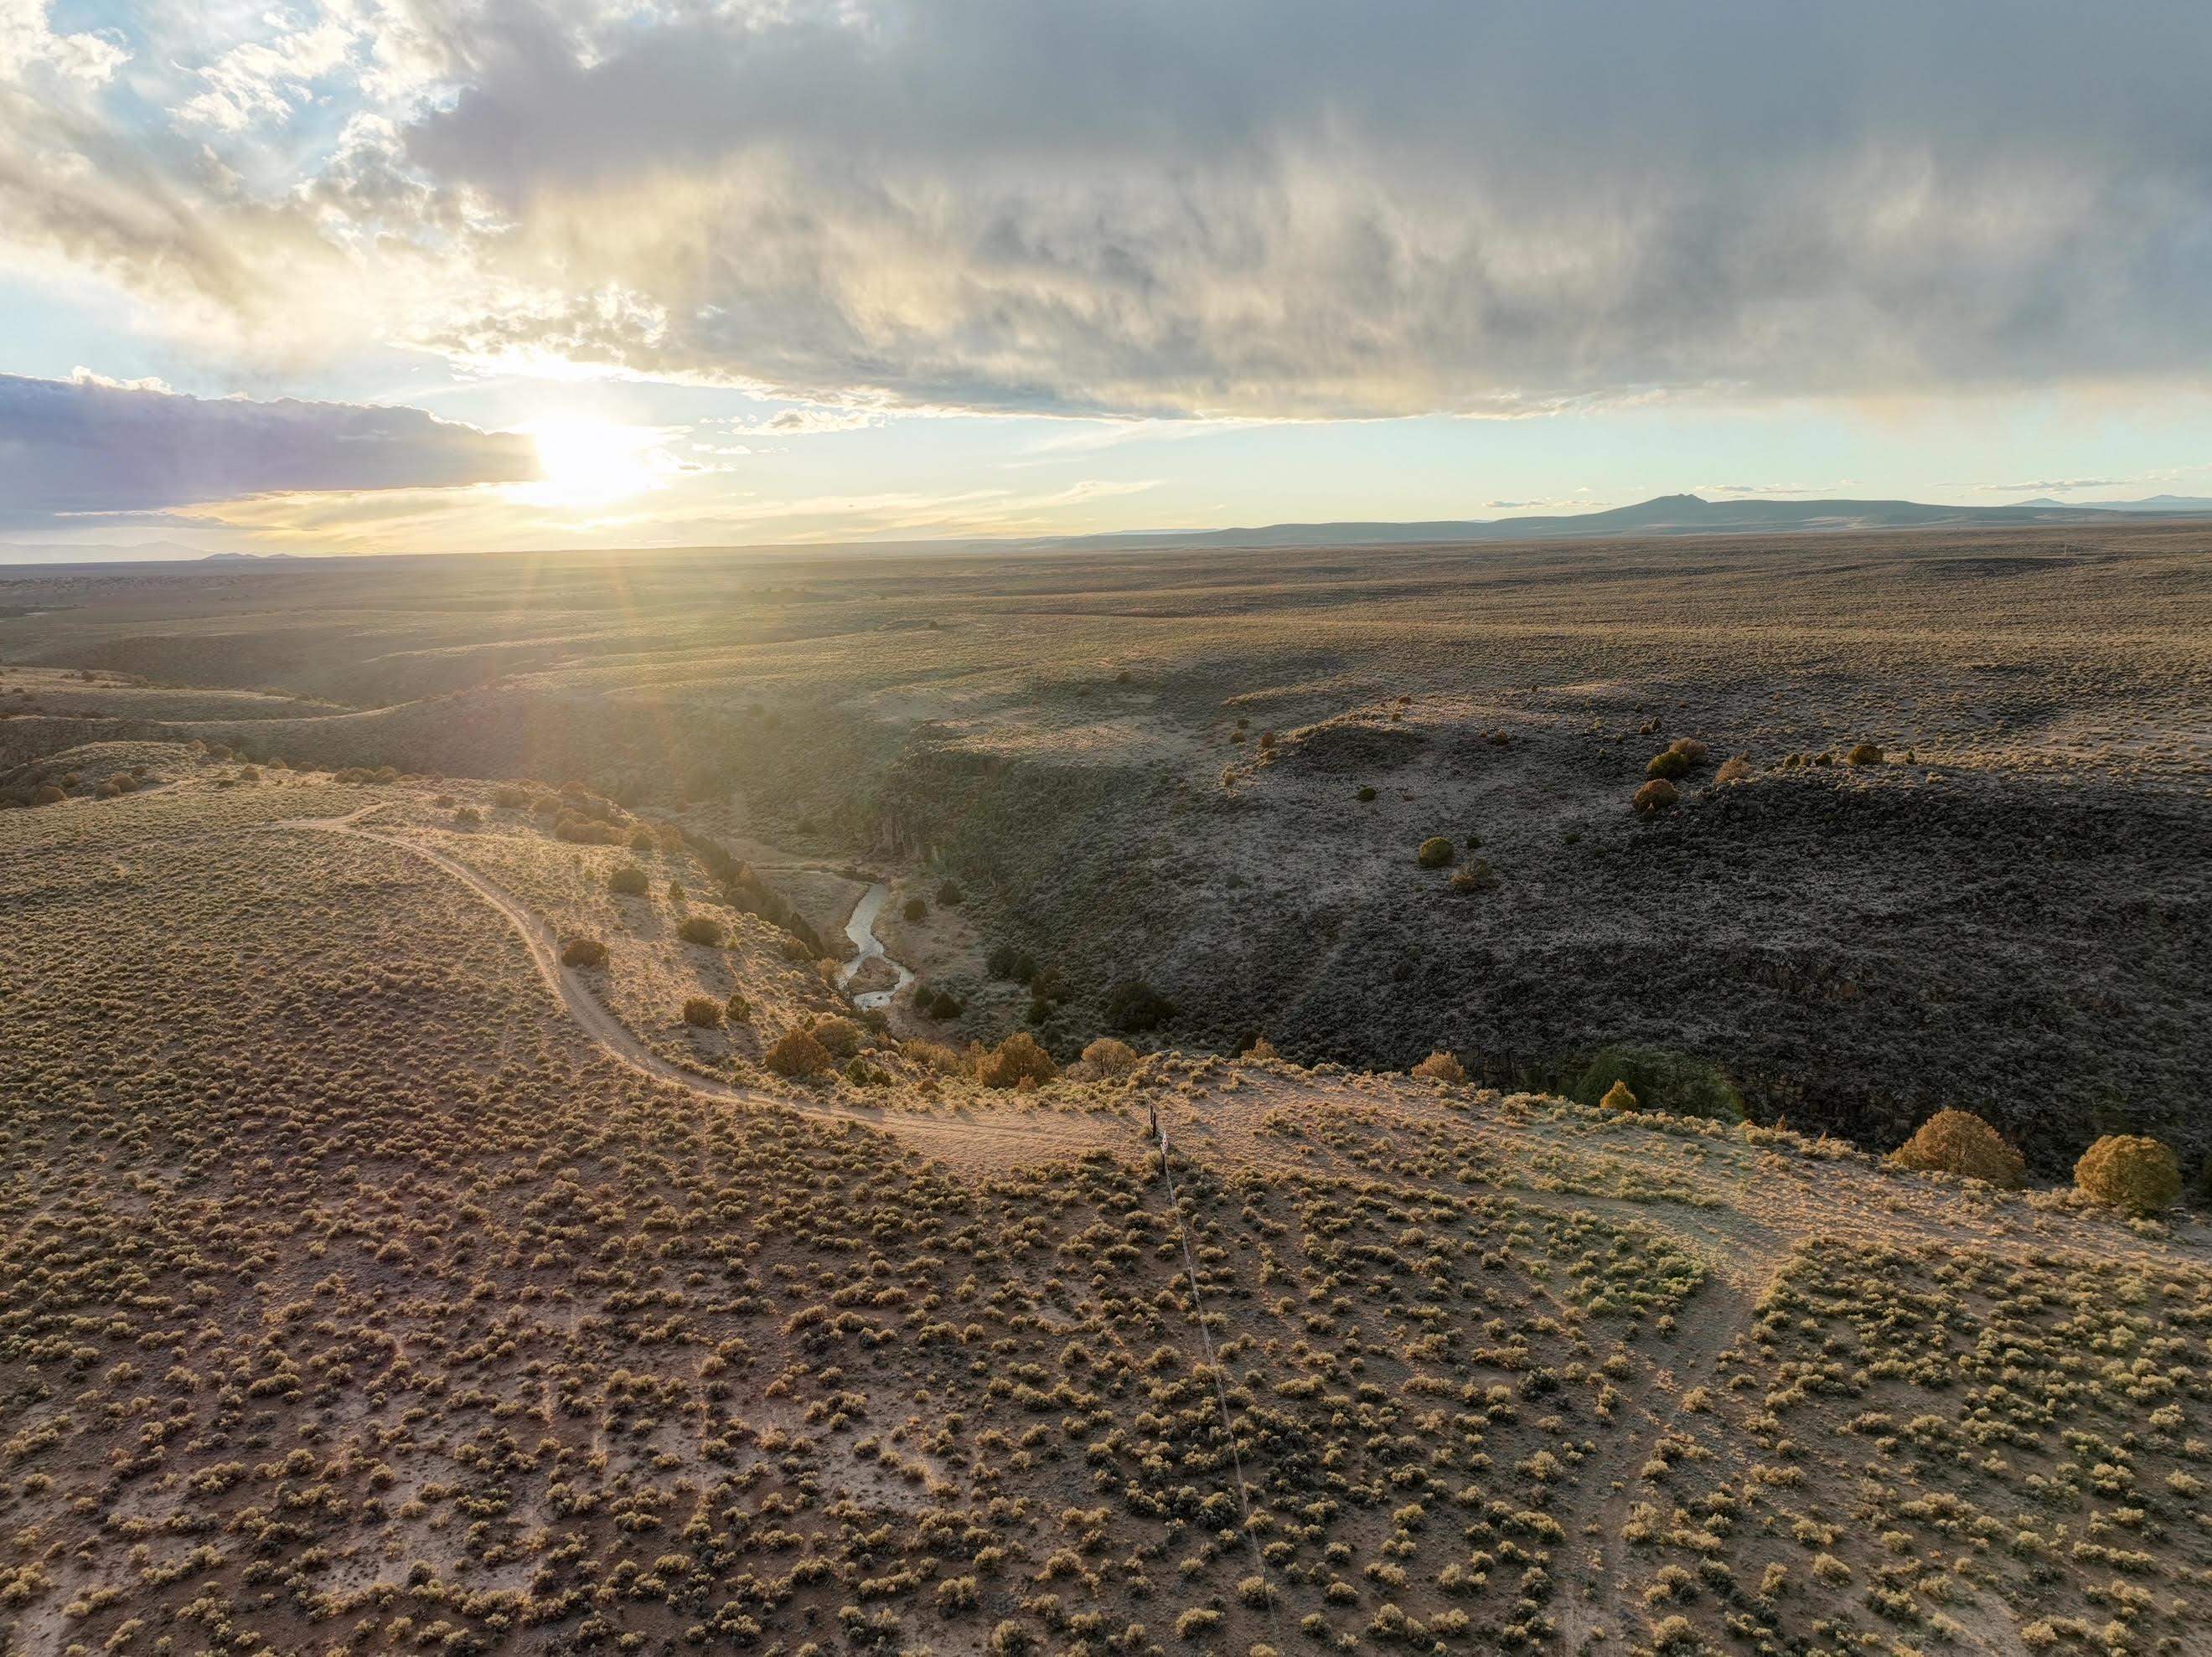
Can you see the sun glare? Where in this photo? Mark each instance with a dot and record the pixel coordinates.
(591, 463)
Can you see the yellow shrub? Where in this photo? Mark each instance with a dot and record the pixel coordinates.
(1960, 1142)
(2130, 1172)
(1441, 1067)
(1016, 1060)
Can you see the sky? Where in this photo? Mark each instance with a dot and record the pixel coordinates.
(394, 276)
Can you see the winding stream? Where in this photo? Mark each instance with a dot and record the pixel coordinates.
(861, 929)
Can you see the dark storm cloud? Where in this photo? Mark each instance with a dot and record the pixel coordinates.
(83, 446)
(1255, 208)
(1303, 206)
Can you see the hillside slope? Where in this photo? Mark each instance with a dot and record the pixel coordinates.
(354, 1294)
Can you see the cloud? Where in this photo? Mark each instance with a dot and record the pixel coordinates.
(2063, 485)
(1842, 486)
(262, 82)
(1256, 209)
(90, 446)
(804, 422)
(29, 44)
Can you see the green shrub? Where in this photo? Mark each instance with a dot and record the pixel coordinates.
(583, 952)
(1960, 1142)
(1866, 753)
(915, 909)
(2130, 1172)
(1366, 794)
(950, 896)
(1654, 797)
(1676, 1082)
(1005, 960)
(701, 929)
(1669, 764)
(1690, 749)
(944, 1005)
(508, 795)
(628, 882)
(1436, 853)
(47, 794)
(797, 1053)
(1132, 1006)
(703, 1012)
(467, 817)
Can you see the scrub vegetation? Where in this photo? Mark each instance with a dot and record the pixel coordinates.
(396, 1307)
(469, 1183)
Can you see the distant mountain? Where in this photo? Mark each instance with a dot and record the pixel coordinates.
(144, 552)
(2189, 503)
(1665, 514)
(249, 557)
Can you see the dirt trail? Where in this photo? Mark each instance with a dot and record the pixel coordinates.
(1743, 1242)
(1035, 1135)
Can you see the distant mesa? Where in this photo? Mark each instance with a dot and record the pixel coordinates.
(2191, 504)
(1665, 514)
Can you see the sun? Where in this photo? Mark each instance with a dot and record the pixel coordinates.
(591, 463)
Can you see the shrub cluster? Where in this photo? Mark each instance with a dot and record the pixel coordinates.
(584, 952)
(1676, 1082)
(1005, 960)
(839, 1037)
(1132, 1007)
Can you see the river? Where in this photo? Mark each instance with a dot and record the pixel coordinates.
(861, 929)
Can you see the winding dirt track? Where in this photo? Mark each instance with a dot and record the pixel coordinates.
(1743, 1242)
(1066, 1135)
